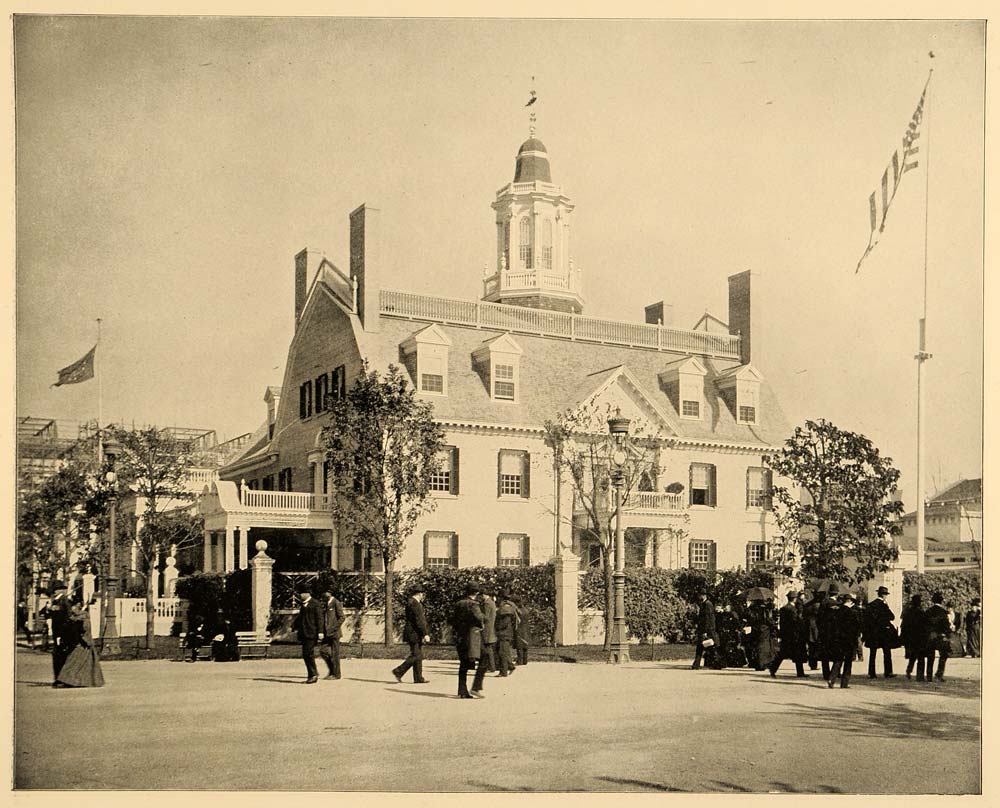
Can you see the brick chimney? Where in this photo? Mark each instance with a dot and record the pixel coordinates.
(366, 261)
(306, 265)
(660, 314)
(743, 312)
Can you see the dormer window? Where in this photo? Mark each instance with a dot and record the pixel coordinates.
(499, 362)
(684, 381)
(426, 357)
(740, 388)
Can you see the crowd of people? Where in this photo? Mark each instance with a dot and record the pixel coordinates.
(829, 630)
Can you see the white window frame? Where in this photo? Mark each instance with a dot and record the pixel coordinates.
(697, 546)
(444, 483)
(522, 557)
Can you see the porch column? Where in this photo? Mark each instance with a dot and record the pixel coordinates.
(317, 475)
(228, 556)
(244, 548)
(206, 562)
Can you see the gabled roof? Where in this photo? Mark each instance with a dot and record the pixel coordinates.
(272, 392)
(710, 323)
(431, 335)
(622, 377)
(688, 364)
(963, 489)
(504, 343)
(742, 373)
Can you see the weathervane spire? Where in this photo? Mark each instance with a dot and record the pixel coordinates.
(531, 115)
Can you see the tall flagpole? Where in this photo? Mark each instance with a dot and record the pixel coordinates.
(100, 397)
(922, 355)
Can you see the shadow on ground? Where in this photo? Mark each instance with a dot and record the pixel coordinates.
(886, 720)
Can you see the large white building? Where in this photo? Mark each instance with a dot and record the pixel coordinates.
(495, 370)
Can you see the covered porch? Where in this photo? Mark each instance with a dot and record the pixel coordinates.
(236, 517)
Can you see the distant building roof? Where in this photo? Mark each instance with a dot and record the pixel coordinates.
(934, 545)
(963, 489)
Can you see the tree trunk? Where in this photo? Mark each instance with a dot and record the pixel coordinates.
(387, 563)
(150, 603)
(609, 600)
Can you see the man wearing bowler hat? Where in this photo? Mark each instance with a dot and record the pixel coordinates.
(309, 628)
(847, 631)
(416, 633)
(879, 632)
(467, 622)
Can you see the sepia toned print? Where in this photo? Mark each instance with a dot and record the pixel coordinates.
(553, 381)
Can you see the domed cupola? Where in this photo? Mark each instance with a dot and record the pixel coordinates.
(532, 162)
(533, 265)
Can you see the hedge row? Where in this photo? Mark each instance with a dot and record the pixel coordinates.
(209, 593)
(661, 603)
(957, 586)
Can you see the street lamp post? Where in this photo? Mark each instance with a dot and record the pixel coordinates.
(109, 628)
(618, 426)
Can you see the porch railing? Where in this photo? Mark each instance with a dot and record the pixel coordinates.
(285, 500)
(654, 501)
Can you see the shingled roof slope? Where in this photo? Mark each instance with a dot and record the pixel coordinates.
(556, 374)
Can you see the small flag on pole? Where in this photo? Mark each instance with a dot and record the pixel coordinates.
(79, 371)
(876, 213)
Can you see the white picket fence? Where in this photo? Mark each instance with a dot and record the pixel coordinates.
(131, 616)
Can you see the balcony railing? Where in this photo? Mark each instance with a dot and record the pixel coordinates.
(197, 479)
(556, 324)
(517, 280)
(284, 500)
(655, 501)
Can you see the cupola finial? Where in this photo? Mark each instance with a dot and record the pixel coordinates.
(531, 115)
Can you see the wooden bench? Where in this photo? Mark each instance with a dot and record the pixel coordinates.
(183, 652)
(251, 645)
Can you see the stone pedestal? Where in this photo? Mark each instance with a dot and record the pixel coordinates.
(260, 587)
(567, 572)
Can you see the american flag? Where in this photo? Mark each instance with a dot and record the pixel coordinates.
(895, 170)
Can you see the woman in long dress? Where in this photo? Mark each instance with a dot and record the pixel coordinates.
(82, 667)
(955, 638)
(762, 636)
(974, 629)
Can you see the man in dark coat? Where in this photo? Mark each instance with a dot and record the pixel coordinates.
(879, 632)
(974, 629)
(792, 637)
(523, 635)
(487, 659)
(913, 633)
(467, 626)
(847, 632)
(309, 629)
(938, 637)
(826, 627)
(333, 619)
(506, 629)
(63, 637)
(706, 638)
(416, 632)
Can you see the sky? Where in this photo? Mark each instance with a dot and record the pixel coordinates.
(169, 169)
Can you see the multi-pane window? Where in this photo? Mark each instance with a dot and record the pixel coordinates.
(758, 488)
(545, 256)
(285, 480)
(440, 548)
(513, 473)
(691, 409)
(512, 550)
(445, 476)
(503, 382)
(267, 483)
(305, 400)
(432, 373)
(748, 415)
(338, 383)
(322, 387)
(756, 553)
(701, 555)
(527, 243)
(702, 486)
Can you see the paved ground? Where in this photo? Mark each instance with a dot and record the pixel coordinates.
(550, 727)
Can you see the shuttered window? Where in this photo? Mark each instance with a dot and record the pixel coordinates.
(702, 484)
(512, 550)
(756, 554)
(321, 387)
(440, 549)
(445, 477)
(759, 488)
(701, 555)
(513, 473)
